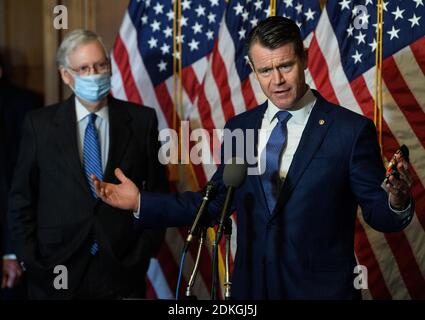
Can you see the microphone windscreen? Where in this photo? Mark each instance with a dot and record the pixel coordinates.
(234, 173)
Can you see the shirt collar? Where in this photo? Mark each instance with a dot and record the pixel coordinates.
(82, 112)
(300, 115)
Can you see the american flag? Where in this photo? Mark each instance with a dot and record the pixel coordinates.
(216, 83)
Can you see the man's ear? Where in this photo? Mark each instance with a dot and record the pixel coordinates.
(1, 72)
(66, 77)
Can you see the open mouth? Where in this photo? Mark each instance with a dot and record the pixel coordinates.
(282, 92)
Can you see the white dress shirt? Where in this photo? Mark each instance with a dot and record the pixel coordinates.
(295, 127)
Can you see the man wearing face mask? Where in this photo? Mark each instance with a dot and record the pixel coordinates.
(71, 244)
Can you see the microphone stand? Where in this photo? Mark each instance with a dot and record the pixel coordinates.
(214, 270)
(227, 202)
(194, 229)
(215, 245)
(202, 238)
(228, 236)
(233, 175)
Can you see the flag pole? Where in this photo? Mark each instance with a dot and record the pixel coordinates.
(272, 8)
(378, 104)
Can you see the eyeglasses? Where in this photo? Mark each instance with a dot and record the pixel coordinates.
(100, 67)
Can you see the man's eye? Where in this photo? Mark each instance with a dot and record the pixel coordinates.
(102, 65)
(84, 68)
(266, 71)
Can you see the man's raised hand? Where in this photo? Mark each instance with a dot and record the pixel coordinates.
(123, 196)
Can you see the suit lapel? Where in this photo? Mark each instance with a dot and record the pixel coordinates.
(254, 122)
(315, 131)
(65, 122)
(119, 135)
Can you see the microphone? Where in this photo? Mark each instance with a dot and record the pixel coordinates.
(234, 174)
(209, 189)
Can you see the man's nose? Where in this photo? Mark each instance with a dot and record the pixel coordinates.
(277, 76)
(93, 70)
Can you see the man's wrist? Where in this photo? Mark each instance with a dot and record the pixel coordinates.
(402, 207)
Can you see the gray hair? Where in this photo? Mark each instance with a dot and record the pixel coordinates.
(72, 41)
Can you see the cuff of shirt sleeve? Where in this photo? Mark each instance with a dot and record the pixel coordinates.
(397, 212)
(136, 214)
(400, 212)
(405, 216)
(10, 257)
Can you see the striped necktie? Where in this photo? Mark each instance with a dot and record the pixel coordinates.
(275, 145)
(91, 153)
(92, 161)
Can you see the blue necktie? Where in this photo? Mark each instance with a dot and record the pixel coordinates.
(273, 152)
(91, 153)
(92, 160)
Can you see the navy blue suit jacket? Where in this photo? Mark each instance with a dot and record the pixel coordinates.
(304, 249)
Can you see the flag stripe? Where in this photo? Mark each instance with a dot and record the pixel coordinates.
(410, 71)
(401, 130)
(402, 96)
(387, 263)
(144, 85)
(376, 282)
(118, 87)
(166, 104)
(319, 71)
(157, 283)
(226, 50)
(121, 56)
(419, 53)
(248, 94)
(409, 268)
(190, 83)
(219, 72)
(150, 291)
(169, 266)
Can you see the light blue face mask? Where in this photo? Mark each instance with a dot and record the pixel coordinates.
(92, 88)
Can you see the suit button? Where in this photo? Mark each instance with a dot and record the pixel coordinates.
(269, 226)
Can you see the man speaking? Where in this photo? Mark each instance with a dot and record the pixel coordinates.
(296, 220)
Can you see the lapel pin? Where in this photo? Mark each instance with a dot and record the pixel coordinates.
(321, 122)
